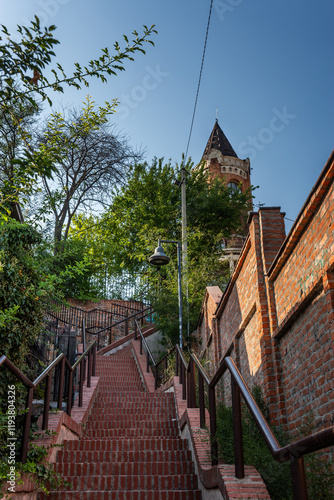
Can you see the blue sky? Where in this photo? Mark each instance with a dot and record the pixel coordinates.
(268, 69)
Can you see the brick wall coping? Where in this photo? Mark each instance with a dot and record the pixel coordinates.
(215, 293)
(218, 481)
(304, 217)
(64, 428)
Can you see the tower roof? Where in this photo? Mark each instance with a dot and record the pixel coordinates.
(219, 141)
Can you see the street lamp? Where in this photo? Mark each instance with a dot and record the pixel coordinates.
(159, 258)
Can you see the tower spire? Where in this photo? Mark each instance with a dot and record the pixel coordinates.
(219, 141)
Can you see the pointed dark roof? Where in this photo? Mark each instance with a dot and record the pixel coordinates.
(218, 140)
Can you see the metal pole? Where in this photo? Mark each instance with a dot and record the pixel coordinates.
(184, 239)
(184, 216)
(180, 290)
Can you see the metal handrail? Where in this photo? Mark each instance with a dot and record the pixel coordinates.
(293, 452)
(47, 374)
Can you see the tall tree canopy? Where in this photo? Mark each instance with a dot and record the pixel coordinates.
(148, 207)
(90, 159)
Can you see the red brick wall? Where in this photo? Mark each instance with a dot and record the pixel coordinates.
(276, 318)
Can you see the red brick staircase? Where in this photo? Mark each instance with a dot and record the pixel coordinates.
(131, 449)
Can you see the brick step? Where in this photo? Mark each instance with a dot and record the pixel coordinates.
(124, 469)
(123, 495)
(138, 424)
(147, 444)
(135, 397)
(124, 456)
(131, 405)
(134, 386)
(109, 411)
(130, 483)
(126, 433)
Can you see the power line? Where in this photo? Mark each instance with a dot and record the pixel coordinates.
(199, 81)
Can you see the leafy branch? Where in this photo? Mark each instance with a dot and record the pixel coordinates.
(33, 53)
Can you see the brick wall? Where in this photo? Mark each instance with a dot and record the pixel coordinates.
(276, 316)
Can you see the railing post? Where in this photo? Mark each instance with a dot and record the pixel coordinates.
(70, 393)
(26, 425)
(135, 329)
(213, 426)
(94, 361)
(111, 320)
(141, 345)
(237, 431)
(81, 381)
(299, 488)
(126, 323)
(184, 382)
(176, 363)
(89, 368)
(201, 400)
(192, 385)
(47, 401)
(61, 384)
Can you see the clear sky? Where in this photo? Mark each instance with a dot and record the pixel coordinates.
(268, 69)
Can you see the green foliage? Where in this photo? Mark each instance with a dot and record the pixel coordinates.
(75, 270)
(148, 207)
(23, 82)
(24, 62)
(37, 469)
(319, 467)
(24, 290)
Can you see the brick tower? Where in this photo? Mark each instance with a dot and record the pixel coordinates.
(222, 161)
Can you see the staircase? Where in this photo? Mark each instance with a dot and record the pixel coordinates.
(131, 449)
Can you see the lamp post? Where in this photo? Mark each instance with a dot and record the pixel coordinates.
(159, 258)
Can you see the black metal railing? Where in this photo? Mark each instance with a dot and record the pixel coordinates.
(95, 319)
(57, 388)
(115, 327)
(293, 452)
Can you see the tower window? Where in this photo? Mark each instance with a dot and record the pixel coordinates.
(233, 187)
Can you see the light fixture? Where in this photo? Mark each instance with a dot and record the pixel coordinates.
(159, 258)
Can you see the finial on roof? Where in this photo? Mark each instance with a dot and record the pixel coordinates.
(216, 114)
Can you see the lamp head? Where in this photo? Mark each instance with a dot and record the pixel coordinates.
(159, 258)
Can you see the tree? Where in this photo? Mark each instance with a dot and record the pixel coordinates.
(89, 160)
(148, 207)
(24, 290)
(23, 80)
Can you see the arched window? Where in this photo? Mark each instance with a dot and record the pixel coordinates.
(233, 187)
